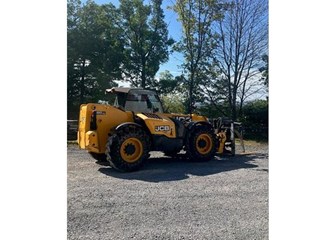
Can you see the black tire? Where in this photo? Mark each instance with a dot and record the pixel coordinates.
(100, 157)
(128, 149)
(201, 144)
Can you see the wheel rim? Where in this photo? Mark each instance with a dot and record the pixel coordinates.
(131, 150)
(204, 143)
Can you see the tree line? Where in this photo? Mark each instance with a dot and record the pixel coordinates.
(224, 44)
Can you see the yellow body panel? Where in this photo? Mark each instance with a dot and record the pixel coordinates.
(108, 117)
(192, 117)
(163, 126)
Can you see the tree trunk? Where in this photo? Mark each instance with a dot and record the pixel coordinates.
(190, 104)
(143, 73)
(82, 83)
(191, 99)
(233, 110)
(143, 80)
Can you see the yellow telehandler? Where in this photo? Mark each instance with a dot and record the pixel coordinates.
(126, 132)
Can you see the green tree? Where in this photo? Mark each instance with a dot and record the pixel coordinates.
(196, 17)
(145, 38)
(94, 52)
(166, 84)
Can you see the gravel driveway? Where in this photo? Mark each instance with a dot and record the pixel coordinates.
(169, 198)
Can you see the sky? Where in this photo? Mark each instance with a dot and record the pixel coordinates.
(174, 28)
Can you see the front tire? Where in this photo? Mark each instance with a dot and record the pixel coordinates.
(201, 144)
(127, 149)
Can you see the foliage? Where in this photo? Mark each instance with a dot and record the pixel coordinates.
(255, 120)
(173, 103)
(171, 92)
(210, 110)
(166, 84)
(196, 44)
(145, 39)
(94, 53)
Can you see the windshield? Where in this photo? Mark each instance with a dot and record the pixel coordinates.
(143, 101)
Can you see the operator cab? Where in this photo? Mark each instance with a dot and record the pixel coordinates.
(136, 100)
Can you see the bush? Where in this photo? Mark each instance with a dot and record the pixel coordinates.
(255, 120)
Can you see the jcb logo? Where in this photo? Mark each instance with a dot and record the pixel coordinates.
(183, 119)
(162, 128)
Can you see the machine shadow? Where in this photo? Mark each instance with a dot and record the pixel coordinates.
(173, 169)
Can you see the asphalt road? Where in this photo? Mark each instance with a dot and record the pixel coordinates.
(170, 198)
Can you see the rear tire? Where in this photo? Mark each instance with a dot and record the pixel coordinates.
(201, 144)
(127, 149)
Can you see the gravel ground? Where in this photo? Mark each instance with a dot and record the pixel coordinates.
(170, 198)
